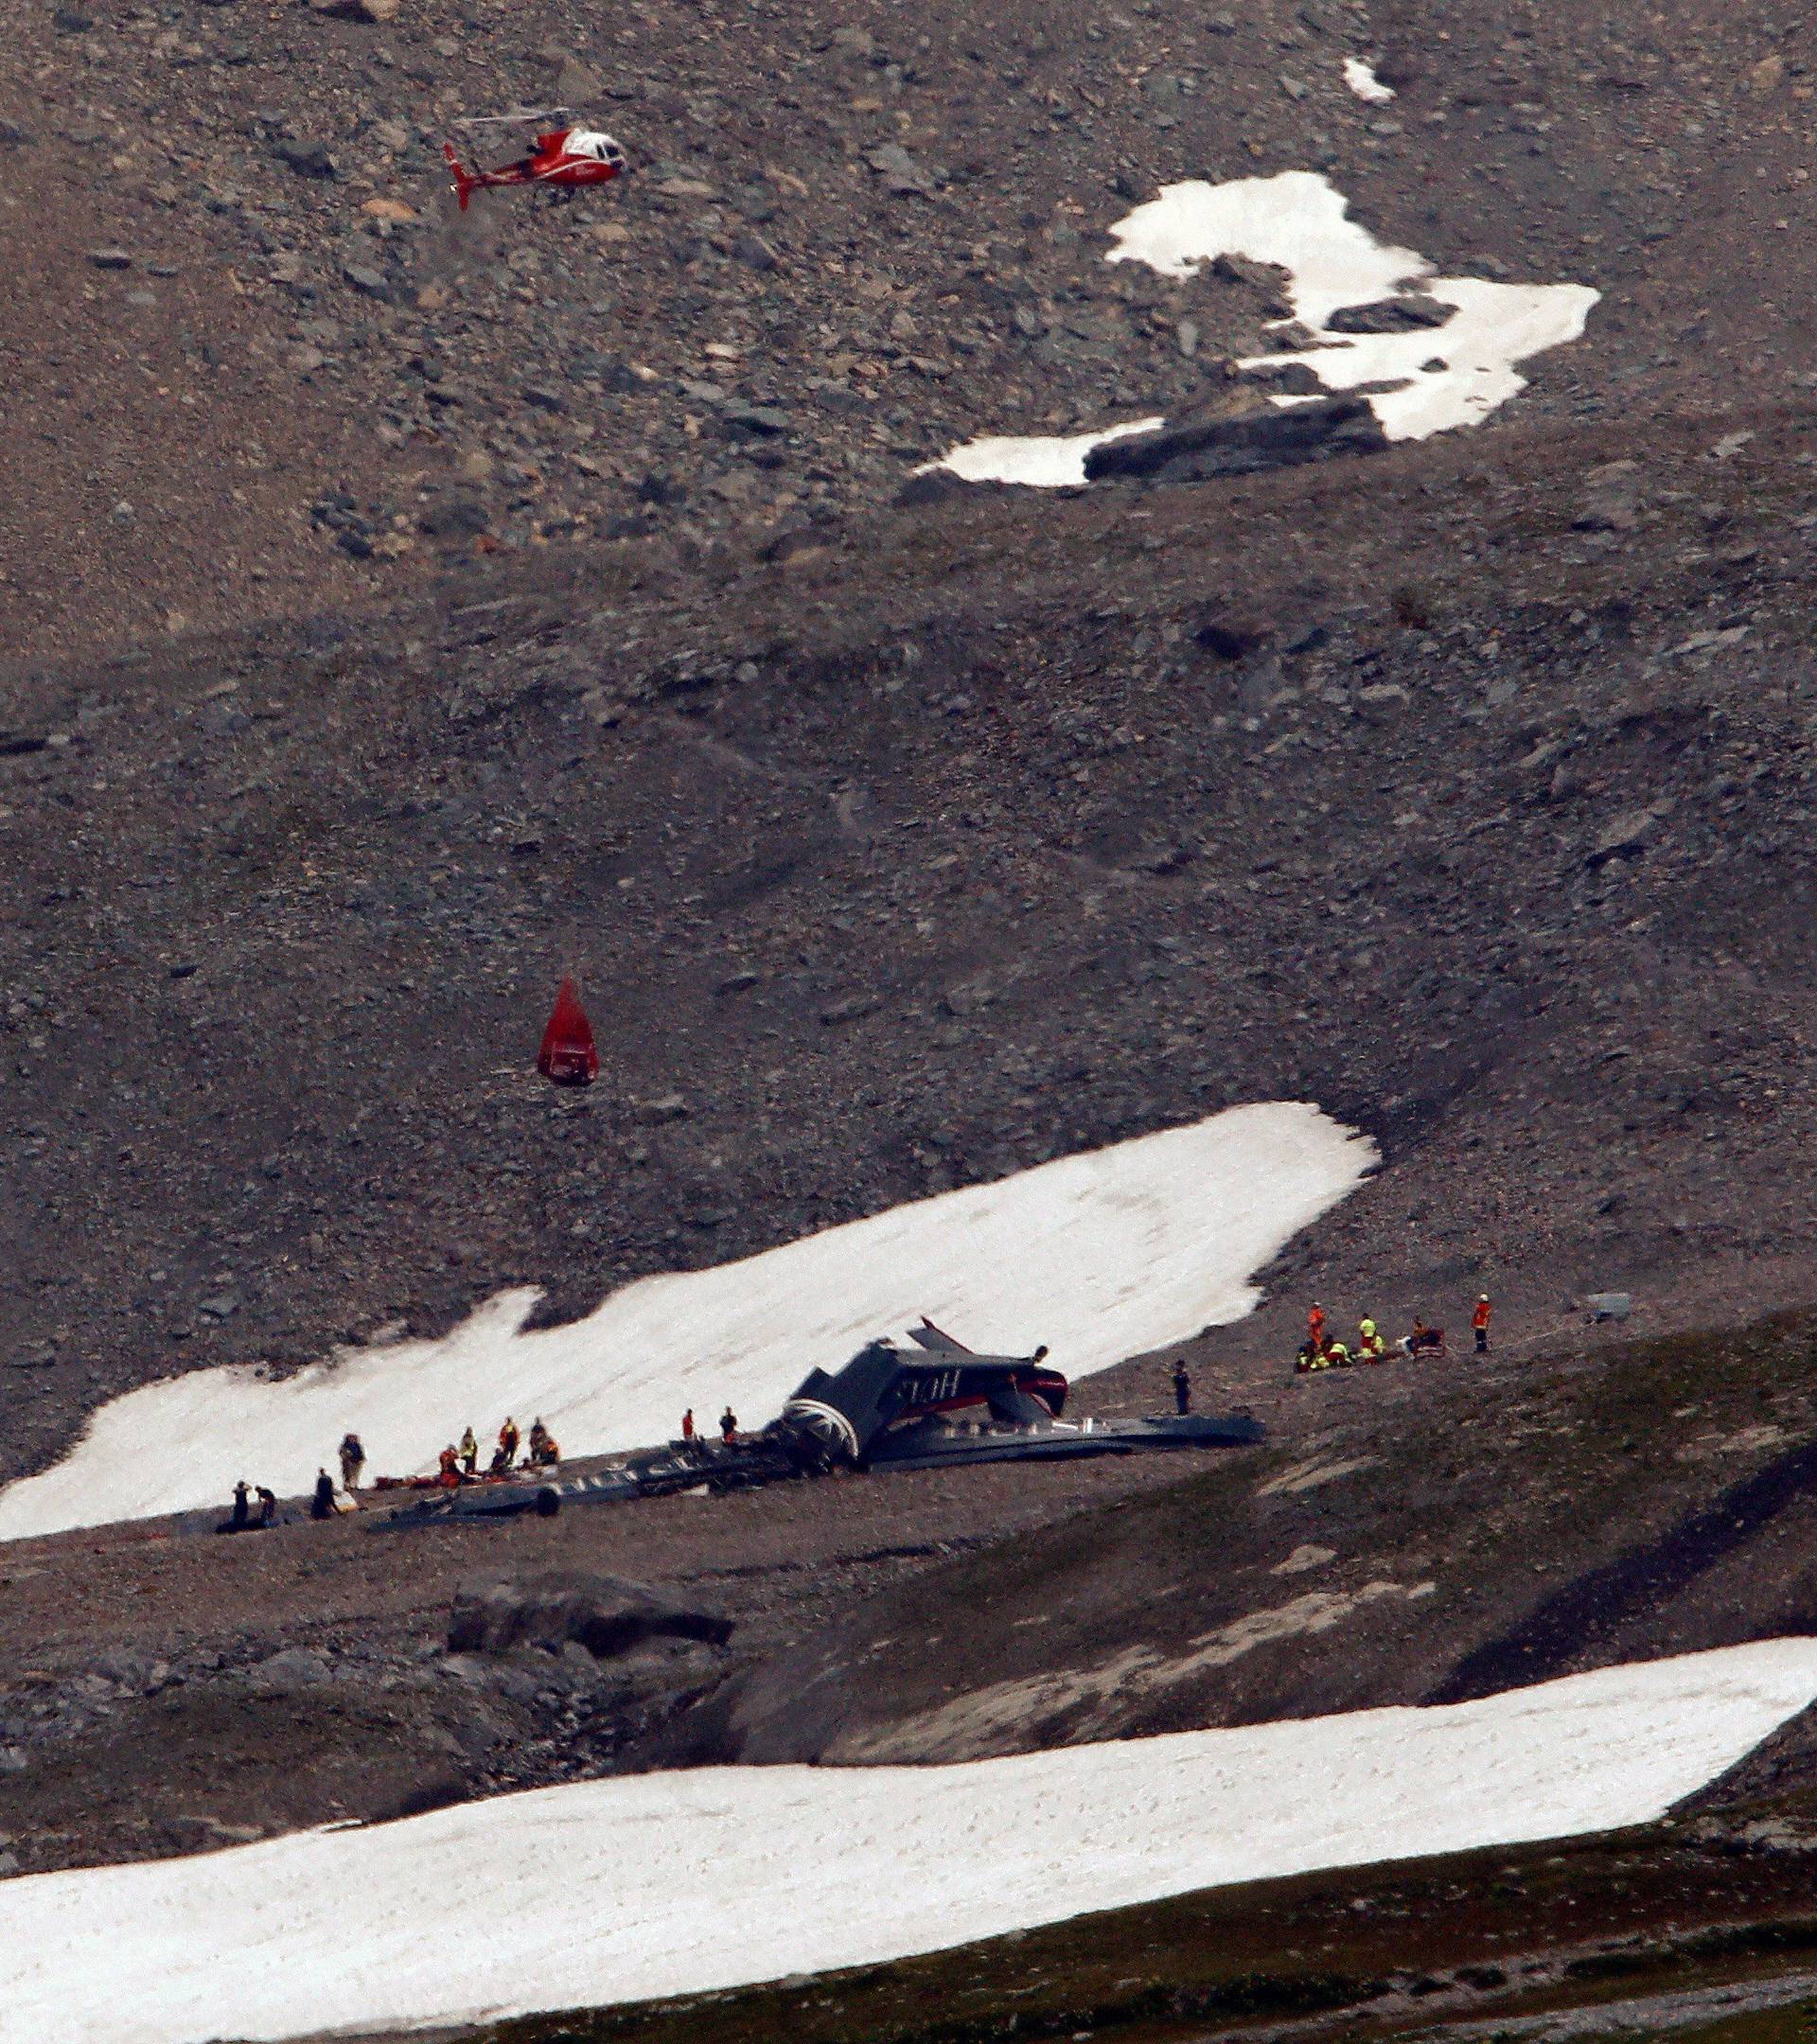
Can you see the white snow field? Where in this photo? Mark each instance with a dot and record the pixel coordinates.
(1448, 376)
(1102, 1255)
(658, 1884)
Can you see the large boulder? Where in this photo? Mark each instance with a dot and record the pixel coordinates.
(1405, 314)
(603, 1613)
(1612, 498)
(1259, 436)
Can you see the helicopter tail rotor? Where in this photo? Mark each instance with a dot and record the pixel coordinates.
(465, 183)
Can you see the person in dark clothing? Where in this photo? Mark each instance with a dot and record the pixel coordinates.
(322, 1504)
(1182, 1388)
(267, 1505)
(727, 1425)
(242, 1512)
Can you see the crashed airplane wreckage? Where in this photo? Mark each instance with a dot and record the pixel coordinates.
(888, 1409)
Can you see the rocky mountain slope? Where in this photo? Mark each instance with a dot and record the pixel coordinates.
(1412, 1542)
(897, 846)
(166, 1691)
(1485, 830)
(1404, 1536)
(399, 609)
(285, 376)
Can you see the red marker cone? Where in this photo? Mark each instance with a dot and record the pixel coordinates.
(568, 1056)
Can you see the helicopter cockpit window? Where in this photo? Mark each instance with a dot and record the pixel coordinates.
(589, 142)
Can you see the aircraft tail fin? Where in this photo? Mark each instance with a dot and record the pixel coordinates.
(465, 184)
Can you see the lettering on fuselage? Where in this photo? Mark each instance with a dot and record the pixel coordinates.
(933, 1389)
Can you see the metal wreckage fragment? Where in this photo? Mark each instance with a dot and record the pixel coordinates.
(929, 1407)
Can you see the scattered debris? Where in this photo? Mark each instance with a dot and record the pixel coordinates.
(1605, 1306)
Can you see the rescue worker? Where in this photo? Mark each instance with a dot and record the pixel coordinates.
(1479, 1321)
(322, 1504)
(353, 1459)
(1315, 1326)
(1337, 1356)
(508, 1438)
(543, 1451)
(1421, 1337)
(451, 1467)
(1370, 1348)
(469, 1453)
(267, 1505)
(1182, 1387)
(728, 1426)
(687, 1424)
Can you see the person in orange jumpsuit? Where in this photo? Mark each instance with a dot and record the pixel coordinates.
(1480, 1320)
(1316, 1327)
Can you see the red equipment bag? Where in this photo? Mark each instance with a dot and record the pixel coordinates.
(568, 1056)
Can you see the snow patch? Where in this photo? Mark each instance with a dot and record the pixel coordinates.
(655, 1884)
(1300, 223)
(1360, 78)
(1040, 462)
(1103, 1255)
(1443, 378)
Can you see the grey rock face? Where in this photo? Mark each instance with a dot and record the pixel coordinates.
(1266, 437)
(1391, 315)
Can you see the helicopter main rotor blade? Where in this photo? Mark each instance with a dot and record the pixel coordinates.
(511, 120)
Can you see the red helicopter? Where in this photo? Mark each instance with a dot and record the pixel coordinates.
(562, 158)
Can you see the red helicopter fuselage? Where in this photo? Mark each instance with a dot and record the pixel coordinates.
(566, 158)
